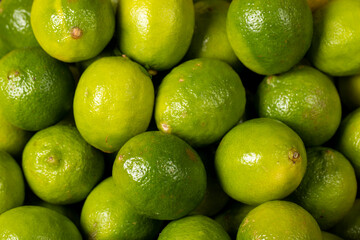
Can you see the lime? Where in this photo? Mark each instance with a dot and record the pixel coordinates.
(160, 175)
(4, 48)
(73, 31)
(260, 160)
(59, 166)
(349, 227)
(113, 102)
(199, 101)
(329, 236)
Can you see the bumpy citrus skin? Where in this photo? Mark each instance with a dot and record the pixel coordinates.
(194, 228)
(60, 167)
(304, 99)
(335, 47)
(73, 31)
(106, 215)
(155, 33)
(15, 26)
(36, 90)
(279, 220)
(160, 175)
(329, 187)
(113, 102)
(349, 226)
(268, 36)
(260, 160)
(199, 101)
(12, 188)
(33, 222)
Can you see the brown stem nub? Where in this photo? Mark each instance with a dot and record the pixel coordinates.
(76, 33)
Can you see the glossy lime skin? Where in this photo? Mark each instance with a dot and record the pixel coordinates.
(36, 90)
(199, 101)
(160, 175)
(260, 160)
(155, 33)
(303, 98)
(60, 166)
(279, 220)
(269, 36)
(54, 21)
(113, 102)
(33, 222)
(335, 47)
(349, 226)
(15, 27)
(106, 215)
(12, 188)
(194, 228)
(348, 139)
(329, 187)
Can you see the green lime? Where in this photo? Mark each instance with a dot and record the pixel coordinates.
(73, 31)
(155, 33)
(34, 222)
(349, 90)
(113, 102)
(269, 37)
(194, 228)
(329, 187)
(12, 189)
(329, 236)
(335, 47)
(4, 48)
(106, 215)
(349, 227)
(304, 99)
(199, 101)
(260, 160)
(59, 166)
(36, 90)
(160, 175)
(279, 220)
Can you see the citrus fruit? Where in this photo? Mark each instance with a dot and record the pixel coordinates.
(34, 222)
(335, 47)
(348, 139)
(349, 227)
(260, 160)
(269, 37)
(279, 220)
(315, 4)
(194, 228)
(12, 190)
(113, 102)
(199, 101)
(72, 31)
(36, 90)
(304, 99)
(155, 33)
(329, 236)
(210, 38)
(4, 48)
(106, 215)
(59, 166)
(329, 187)
(349, 90)
(160, 175)
(15, 27)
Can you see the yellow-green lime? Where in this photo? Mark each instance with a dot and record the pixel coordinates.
(106, 215)
(279, 220)
(329, 236)
(34, 222)
(113, 102)
(4, 48)
(196, 227)
(160, 175)
(335, 47)
(12, 189)
(155, 33)
(60, 166)
(199, 101)
(36, 90)
(329, 187)
(349, 227)
(349, 90)
(303, 98)
(73, 31)
(260, 160)
(269, 36)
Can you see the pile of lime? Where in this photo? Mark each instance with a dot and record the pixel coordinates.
(180, 119)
